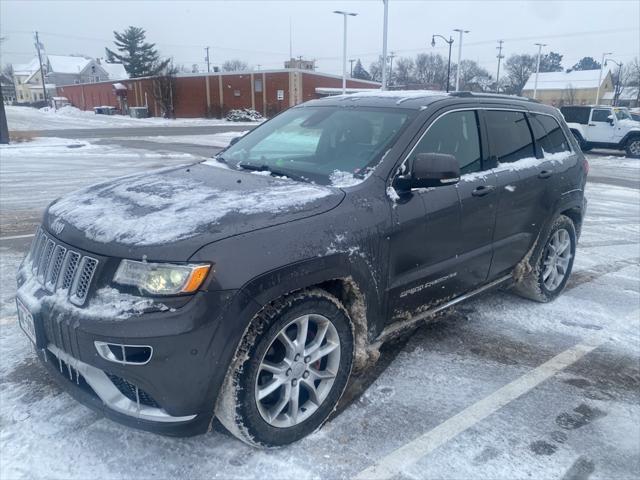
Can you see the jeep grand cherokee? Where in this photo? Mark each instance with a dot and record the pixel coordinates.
(249, 286)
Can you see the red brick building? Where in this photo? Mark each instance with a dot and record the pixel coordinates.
(214, 94)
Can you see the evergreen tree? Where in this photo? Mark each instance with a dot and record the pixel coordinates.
(360, 72)
(140, 59)
(551, 62)
(586, 63)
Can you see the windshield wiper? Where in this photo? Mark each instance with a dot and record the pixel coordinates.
(271, 170)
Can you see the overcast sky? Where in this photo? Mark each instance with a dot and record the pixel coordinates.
(258, 31)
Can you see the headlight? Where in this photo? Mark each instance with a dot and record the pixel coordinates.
(161, 278)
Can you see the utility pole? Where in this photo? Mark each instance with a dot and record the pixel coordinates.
(344, 48)
(535, 83)
(500, 57)
(206, 59)
(604, 55)
(460, 31)
(391, 55)
(44, 87)
(384, 44)
(290, 40)
(351, 60)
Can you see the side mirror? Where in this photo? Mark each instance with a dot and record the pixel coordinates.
(430, 170)
(234, 140)
(610, 119)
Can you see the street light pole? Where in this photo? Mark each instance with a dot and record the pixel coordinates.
(344, 48)
(460, 31)
(535, 83)
(384, 44)
(604, 55)
(450, 42)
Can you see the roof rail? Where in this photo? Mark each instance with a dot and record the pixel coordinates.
(467, 94)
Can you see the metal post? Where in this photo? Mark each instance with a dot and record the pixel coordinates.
(351, 68)
(450, 42)
(207, 59)
(44, 86)
(460, 31)
(600, 76)
(344, 48)
(535, 83)
(384, 44)
(500, 57)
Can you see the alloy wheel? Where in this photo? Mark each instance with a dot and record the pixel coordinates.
(297, 371)
(556, 259)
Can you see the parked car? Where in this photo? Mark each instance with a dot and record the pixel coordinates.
(604, 127)
(251, 286)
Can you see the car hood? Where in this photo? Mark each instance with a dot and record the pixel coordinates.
(169, 214)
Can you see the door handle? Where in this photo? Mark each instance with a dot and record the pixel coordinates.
(545, 174)
(592, 124)
(483, 190)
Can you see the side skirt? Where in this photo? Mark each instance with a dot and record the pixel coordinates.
(399, 327)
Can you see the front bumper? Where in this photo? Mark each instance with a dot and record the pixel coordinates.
(175, 391)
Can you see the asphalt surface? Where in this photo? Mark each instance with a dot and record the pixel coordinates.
(405, 414)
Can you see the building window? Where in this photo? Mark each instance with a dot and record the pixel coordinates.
(258, 85)
(236, 93)
(21, 97)
(41, 96)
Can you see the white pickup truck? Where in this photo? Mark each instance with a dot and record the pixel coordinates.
(604, 127)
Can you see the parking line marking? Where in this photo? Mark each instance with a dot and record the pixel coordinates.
(390, 465)
(15, 237)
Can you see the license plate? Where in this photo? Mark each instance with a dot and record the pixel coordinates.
(25, 319)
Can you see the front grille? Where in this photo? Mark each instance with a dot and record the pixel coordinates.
(67, 371)
(132, 392)
(59, 268)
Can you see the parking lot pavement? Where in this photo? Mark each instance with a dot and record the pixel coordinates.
(426, 397)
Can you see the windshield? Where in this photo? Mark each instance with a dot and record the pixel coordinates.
(622, 114)
(321, 144)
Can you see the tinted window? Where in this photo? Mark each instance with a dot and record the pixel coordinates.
(548, 134)
(509, 136)
(600, 116)
(576, 114)
(455, 134)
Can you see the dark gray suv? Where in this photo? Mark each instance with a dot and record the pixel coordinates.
(249, 287)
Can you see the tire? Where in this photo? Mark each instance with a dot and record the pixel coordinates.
(255, 403)
(584, 145)
(632, 148)
(551, 271)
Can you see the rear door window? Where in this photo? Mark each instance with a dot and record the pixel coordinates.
(548, 135)
(456, 134)
(510, 138)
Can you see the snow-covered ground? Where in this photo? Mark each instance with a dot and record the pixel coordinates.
(27, 118)
(582, 423)
(214, 140)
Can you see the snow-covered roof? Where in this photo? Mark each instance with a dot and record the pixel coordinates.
(26, 68)
(338, 91)
(115, 71)
(627, 93)
(119, 86)
(67, 63)
(577, 79)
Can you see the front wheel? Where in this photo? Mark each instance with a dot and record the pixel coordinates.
(632, 149)
(291, 369)
(551, 271)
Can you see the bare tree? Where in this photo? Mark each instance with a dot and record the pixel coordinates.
(519, 68)
(568, 96)
(404, 69)
(164, 90)
(235, 65)
(473, 77)
(431, 70)
(375, 70)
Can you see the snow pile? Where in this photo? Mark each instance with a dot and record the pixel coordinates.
(244, 115)
(66, 111)
(342, 179)
(154, 209)
(392, 194)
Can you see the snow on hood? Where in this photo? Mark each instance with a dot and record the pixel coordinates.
(164, 207)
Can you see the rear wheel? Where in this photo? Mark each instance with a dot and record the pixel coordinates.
(291, 370)
(552, 269)
(632, 149)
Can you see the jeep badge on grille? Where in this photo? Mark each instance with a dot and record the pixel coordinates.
(56, 226)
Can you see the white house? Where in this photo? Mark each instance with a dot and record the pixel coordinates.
(578, 87)
(61, 70)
